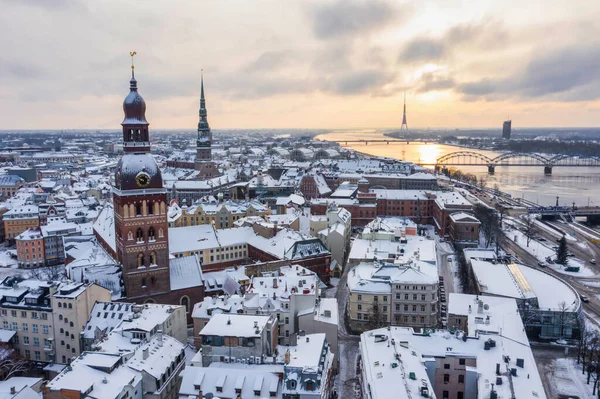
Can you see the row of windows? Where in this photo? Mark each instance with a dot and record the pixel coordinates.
(415, 297)
(14, 326)
(24, 314)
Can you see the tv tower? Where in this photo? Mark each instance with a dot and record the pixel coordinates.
(404, 124)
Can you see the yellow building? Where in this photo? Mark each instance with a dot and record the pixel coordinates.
(221, 215)
(19, 219)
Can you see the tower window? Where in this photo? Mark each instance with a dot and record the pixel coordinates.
(151, 234)
(143, 282)
(141, 260)
(138, 209)
(139, 235)
(153, 258)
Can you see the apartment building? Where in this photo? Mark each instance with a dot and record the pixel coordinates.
(230, 338)
(30, 248)
(71, 307)
(25, 308)
(400, 294)
(19, 219)
(221, 215)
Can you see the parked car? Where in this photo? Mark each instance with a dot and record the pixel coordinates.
(584, 298)
(593, 261)
(541, 264)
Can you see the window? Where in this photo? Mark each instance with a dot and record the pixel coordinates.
(446, 366)
(37, 355)
(25, 327)
(460, 395)
(360, 297)
(445, 395)
(5, 325)
(359, 306)
(140, 262)
(446, 378)
(385, 308)
(461, 362)
(23, 314)
(414, 308)
(406, 308)
(25, 340)
(45, 329)
(461, 379)
(36, 341)
(15, 326)
(375, 298)
(287, 320)
(414, 297)
(34, 328)
(60, 305)
(422, 297)
(34, 315)
(143, 282)
(185, 302)
(385, 299)
(406, 296)
(27, 353)
(70, 306)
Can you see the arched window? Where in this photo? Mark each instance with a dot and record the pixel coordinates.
(60, 317)
(131, 134)
(130, 236)
(152, 258)
(185, 302)
(70, 306)
(143, 282)
(71, 324)
(139, 235)
(149, 300)
(141, 261)
(62, 331)
(151, 234)
(161, 233)
(59, 305)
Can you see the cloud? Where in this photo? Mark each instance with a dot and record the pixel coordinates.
(422, 49)
(361, 81)
(19, 70)
(566, 73)
(435, 82)
(472, 35)
(344, 18)
(270, 60)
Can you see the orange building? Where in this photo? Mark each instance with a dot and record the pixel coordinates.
(30, 248)
(19, 219)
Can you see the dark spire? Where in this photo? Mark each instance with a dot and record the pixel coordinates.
(203, 123)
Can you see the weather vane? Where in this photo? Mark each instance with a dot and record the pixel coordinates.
(132, 53)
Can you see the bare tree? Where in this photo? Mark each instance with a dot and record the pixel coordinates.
(377, 318)
(531, 229)
(52, 273)
(565, 317)
(13, 365)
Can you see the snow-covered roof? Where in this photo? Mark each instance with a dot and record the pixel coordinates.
(236, 325)
(185, 272)
(104, 226)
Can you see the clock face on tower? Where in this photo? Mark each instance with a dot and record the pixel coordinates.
(142, 180)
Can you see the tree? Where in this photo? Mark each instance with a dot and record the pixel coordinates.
(11, 364)
(530, 230)
(490, 225)
(562, 252)
(377, 318)
(482, 182)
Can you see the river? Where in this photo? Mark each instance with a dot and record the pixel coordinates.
(571, 184)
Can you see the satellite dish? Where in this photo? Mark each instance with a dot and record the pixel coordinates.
(486, 306)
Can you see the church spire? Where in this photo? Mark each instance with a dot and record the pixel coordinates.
(404, 124)
(204, 141)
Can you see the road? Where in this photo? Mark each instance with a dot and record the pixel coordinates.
(346, 382)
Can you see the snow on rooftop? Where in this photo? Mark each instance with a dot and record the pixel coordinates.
(236, 325)
(185, 272)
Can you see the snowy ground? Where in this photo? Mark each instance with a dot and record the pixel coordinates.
(561, 374)
(567, 379)
(541, 251)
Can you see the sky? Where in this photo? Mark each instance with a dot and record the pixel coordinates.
(65, 64)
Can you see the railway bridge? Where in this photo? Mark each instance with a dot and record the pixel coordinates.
(473, 158)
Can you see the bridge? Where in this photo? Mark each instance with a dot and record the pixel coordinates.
(366, 142)
(472, 158)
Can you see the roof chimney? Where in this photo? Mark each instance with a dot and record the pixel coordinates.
(13, 390)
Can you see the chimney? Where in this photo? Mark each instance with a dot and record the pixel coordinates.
(497, 368)
(480, 307)
(13, 390)
(145, 353)
(160, 337)
(286, 357)
(275, 282)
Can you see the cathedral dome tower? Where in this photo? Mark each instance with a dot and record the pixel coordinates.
(140, 206)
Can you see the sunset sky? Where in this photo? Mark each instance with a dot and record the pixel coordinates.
(65, 64)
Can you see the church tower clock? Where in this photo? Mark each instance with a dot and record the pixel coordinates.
(140, 206)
